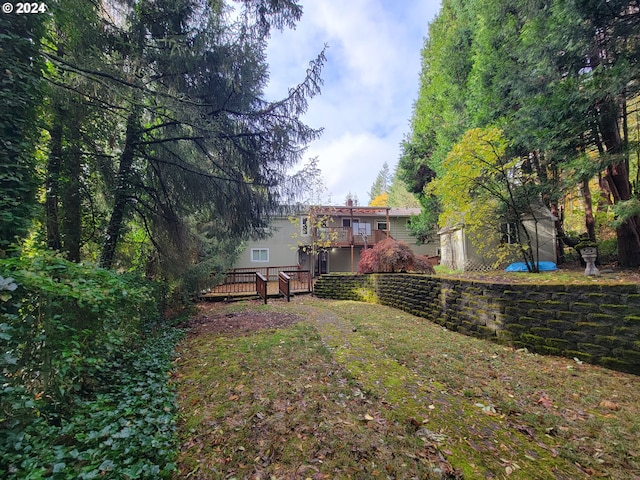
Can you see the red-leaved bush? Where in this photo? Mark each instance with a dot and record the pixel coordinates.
(422, 264)
(369, 262)
(392, 256)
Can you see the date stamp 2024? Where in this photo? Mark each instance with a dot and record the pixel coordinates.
(26, 8)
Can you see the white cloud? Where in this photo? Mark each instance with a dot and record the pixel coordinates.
(349, 162)
(371, 81)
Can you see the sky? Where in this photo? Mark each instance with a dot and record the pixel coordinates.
(371, 81)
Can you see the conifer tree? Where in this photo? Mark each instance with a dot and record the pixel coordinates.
(190, 137)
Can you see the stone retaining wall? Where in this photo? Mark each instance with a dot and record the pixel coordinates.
(595, 323)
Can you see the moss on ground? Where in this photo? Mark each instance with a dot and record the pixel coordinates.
(364, 391)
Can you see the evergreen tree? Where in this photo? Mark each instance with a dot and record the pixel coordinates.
(439, 114)
(381, 183)
(190, 136)
(399, 196)
(556, 77)
(79, 123)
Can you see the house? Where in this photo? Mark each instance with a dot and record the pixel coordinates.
(458, 251)
(329, 238)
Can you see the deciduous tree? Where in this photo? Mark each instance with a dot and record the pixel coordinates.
(483, 187)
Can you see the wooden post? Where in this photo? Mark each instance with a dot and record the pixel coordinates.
(352, 265)
(388, 225)
(261, 286)
(284, 284)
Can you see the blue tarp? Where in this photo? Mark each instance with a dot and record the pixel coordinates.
(522, 267)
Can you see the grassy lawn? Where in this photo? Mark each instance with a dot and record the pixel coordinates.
(318, 389)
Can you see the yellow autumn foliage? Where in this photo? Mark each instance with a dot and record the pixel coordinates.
(474, 182)
(381, 200)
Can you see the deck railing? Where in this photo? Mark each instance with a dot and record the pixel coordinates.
(237, 282)
(261, 286)
(344, 236)
(300, 281)
(244, 281)
(284, 286)
(242, 275)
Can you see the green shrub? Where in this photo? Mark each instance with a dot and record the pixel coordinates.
(63, 322)
(608, 250)
(77, 357)
(125, 430)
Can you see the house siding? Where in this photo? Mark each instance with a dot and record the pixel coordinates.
(286, 239)
(400, 231)
(281, 244)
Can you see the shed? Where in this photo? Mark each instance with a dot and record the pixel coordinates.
(458, 252)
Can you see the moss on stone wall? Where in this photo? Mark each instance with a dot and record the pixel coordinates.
(595, 323)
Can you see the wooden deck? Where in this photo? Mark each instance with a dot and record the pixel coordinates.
(248, 290)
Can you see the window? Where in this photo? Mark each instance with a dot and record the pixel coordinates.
(304, 226)
(361, 228)
(346, 222)
(259, 254)
(381, 226)
(510, 233)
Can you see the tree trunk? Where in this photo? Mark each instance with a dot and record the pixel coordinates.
(560, 235)
(604, 199)
(72, 208)
(589, 220)
(52, 194)
(71, 222)
(629, 243)
(121, 194)
(617, 177)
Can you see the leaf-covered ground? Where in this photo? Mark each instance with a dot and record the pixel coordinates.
(565, 275)
(317, 389)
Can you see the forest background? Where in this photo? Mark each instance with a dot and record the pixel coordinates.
(529, 103)
(138, 151)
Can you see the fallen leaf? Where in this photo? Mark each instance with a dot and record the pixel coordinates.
(487, 409)
(527, 430)
(610, 405)
(427, 434)
(544, 401)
